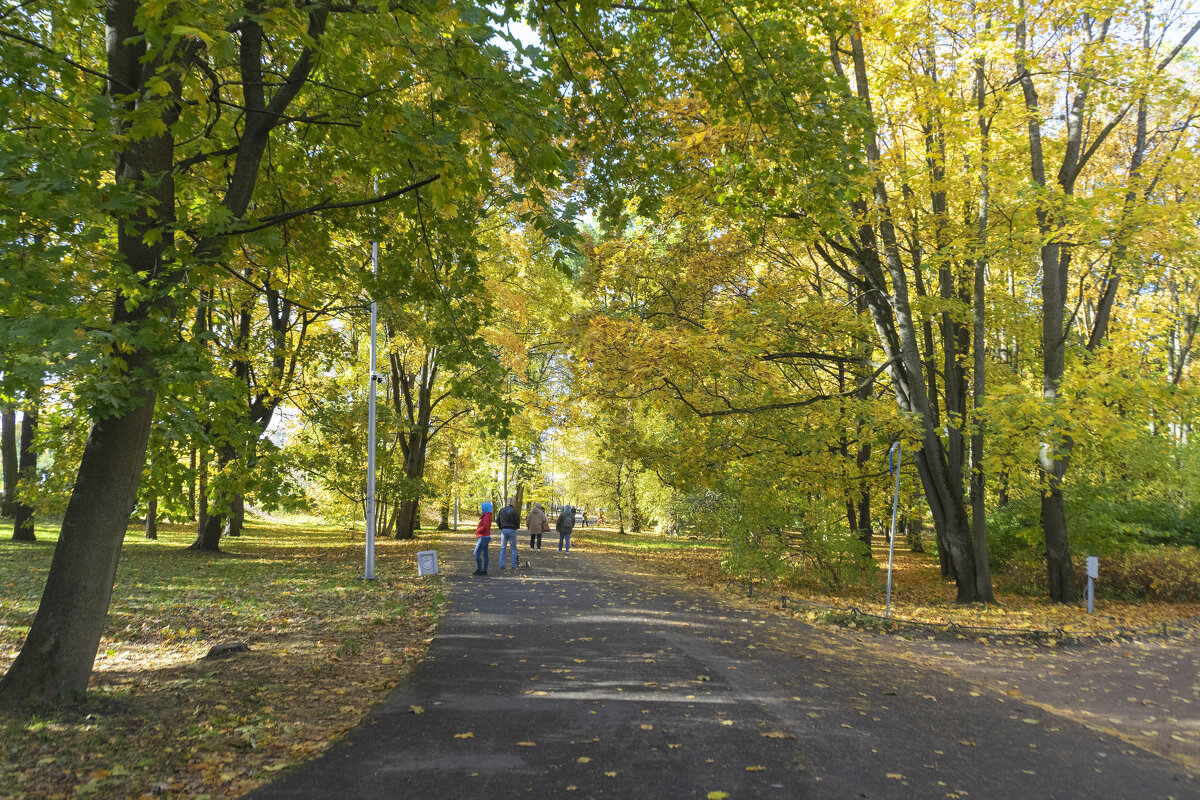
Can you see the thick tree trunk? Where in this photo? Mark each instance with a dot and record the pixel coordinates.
(237, 516)
(895, 323)
(23, 530)
(8, 458)
(983, 569)
(56, 660)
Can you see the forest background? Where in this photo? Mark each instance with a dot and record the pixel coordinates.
(696, 264)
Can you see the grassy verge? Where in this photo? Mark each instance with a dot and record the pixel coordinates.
(163, 722)
(919, 593)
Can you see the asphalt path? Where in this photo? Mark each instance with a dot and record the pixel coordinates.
(581, 677)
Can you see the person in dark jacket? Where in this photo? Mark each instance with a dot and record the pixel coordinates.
(566, 521)
(508, 520)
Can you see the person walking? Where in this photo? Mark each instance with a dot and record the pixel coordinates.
(537, 525)
(508, 520)
(566, 521)
(483, 538)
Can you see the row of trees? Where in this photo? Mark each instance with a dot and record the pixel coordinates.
(1005, 261)
(816, 230)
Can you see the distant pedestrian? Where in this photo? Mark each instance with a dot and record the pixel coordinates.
(508, 519)
(600, 518)
(585, 524)
(537, 525)
(483, 538)
(566, 521)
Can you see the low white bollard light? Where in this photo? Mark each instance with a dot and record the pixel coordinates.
(1093, 572)
(427, 562)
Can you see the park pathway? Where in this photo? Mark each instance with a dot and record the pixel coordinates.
(581, 677)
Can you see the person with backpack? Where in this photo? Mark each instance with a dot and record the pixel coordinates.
(566, 521)
(508, 520)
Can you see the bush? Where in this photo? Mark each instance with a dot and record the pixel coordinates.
(1166, 574)
(1099, 523)
(1163, 574)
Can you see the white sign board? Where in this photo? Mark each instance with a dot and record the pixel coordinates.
(427, 562)
(1093, 566)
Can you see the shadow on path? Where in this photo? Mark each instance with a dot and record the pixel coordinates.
(580, 677)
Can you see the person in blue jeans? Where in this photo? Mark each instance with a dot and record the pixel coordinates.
(508, 520)
(483, 538)
(566, 521)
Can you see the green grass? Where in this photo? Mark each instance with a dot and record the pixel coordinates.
(160, 720)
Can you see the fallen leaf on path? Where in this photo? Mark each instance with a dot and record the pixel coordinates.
(467, 735)
(777, 735)
(526, 744)
(755, 768)
(416, 710)
(583, 760)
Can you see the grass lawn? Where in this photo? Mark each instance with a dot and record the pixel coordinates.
(919, 593)
(161, 721)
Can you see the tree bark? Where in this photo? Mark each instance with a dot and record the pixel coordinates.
(237, 516)
(152, 516)
(8, 458)
(983, 569)
(23, 530)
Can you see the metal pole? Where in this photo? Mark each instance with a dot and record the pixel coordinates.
(892, 543)
(369, 573)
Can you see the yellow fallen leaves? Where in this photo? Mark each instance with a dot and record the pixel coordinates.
(755, 768)
(416, 710)
(717, 795)
(526, 744)
(646, 727)
(583, 760)
(777, 735)
(612, 774)
(467, 735)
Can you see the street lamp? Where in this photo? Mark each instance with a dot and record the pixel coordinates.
(369, 570)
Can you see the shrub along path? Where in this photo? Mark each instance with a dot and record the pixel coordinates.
(586, 675)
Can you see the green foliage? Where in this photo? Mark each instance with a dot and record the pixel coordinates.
(1101, 522)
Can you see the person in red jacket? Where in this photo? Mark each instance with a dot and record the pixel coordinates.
(483, 538)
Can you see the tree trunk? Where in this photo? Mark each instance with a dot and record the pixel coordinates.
(208, 537)
(237, 516)
(8, 459)
(23, 530)
(56, 659)
(893, 318)
(444, 524)
(201, 515)
(192, 484)
(152, 516)
(983, 569)
(635, 511)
